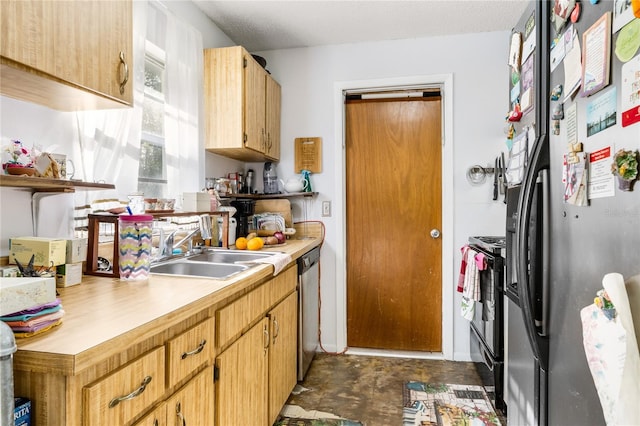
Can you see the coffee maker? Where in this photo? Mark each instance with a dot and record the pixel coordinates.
(244, 211)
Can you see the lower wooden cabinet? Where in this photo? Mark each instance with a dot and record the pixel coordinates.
(121, 396)
(241, 387)
(193, 404)
(282, 354)
(258, 371)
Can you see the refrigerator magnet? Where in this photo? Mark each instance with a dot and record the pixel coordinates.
(596, 52)
(515, 50)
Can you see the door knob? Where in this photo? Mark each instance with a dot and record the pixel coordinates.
(435, 233)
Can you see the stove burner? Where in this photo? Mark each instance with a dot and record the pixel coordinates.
(489, 243)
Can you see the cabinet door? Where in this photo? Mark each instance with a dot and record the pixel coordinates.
(158, 417)
(224, 99)
(273, 105)
(254, 105)
(241, 387)
(282, 353)
(194, 403)
(80, 43)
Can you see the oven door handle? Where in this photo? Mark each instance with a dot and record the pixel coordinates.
(488, 361)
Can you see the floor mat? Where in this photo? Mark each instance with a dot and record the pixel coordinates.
(440, 404)
(288, 421)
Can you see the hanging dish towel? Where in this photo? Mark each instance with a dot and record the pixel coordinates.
(470, 280)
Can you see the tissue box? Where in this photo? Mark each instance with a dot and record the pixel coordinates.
(17, 294)
(69, 274)
(47, 251)
(196, 202)
(22, 412)
(76, 250)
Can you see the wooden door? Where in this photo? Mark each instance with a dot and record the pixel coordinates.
(283, 366)
(241, 388)
(393, 191)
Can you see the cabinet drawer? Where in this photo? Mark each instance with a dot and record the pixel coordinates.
(125, 393)
(236, 317)
(189, 350)
(282, 284)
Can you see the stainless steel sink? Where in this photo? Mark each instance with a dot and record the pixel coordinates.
(198, 269)
(229, 256)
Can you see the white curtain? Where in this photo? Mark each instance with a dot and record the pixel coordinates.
(184, 82)
(109, 140)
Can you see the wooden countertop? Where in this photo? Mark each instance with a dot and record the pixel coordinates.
(104, 315)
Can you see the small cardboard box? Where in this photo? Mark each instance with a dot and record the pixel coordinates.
(76, 250)
(69, 274)
(47, 251)
(196, 202)
(22, 412)
(9, 271)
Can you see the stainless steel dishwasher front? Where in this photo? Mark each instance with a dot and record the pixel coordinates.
(308, 316)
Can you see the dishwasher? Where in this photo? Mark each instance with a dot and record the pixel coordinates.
(308, 317)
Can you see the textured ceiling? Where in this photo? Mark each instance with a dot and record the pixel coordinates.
(269, 25)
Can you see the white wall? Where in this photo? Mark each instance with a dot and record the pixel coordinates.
(308, 77)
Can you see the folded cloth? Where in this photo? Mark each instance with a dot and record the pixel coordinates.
(278, 260)
(36, 309)
(39, 331)
(27, 317)
(36, 320)
(33, 327)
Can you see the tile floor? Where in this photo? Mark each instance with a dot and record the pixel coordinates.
(369, 388)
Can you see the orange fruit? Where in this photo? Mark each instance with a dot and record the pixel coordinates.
(241, 243)
(255, 243)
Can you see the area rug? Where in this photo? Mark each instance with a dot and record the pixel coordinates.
(289, 421)
(440, 404)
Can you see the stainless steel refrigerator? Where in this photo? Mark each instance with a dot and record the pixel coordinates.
(568, 221)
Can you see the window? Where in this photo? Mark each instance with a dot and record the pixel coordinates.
(152, 172)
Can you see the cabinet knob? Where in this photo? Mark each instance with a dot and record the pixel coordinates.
(435, 233)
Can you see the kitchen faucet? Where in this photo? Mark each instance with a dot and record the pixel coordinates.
(167, 244)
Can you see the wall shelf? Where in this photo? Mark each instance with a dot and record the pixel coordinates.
(51, 184)
(268, 196)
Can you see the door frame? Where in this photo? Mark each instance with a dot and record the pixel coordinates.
(445, 83)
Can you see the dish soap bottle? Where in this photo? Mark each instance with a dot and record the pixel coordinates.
(306, 175)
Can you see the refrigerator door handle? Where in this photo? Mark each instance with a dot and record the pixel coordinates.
(546, 238)
(539, 161)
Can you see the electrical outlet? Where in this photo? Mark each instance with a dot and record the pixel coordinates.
(326, 208)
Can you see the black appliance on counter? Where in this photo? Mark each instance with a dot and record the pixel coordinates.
(244, 210)
(487, 326)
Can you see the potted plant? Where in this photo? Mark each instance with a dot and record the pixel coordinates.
(625, 168)
(19, 160)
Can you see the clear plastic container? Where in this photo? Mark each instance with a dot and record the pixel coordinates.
(134, 246)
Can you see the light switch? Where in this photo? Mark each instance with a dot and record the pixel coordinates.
(326, 208)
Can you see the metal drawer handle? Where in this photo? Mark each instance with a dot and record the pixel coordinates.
(143, 386)
(126, 73)
(196, 350)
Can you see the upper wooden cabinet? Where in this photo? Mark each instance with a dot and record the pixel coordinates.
(242, 106)
(67, 55)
